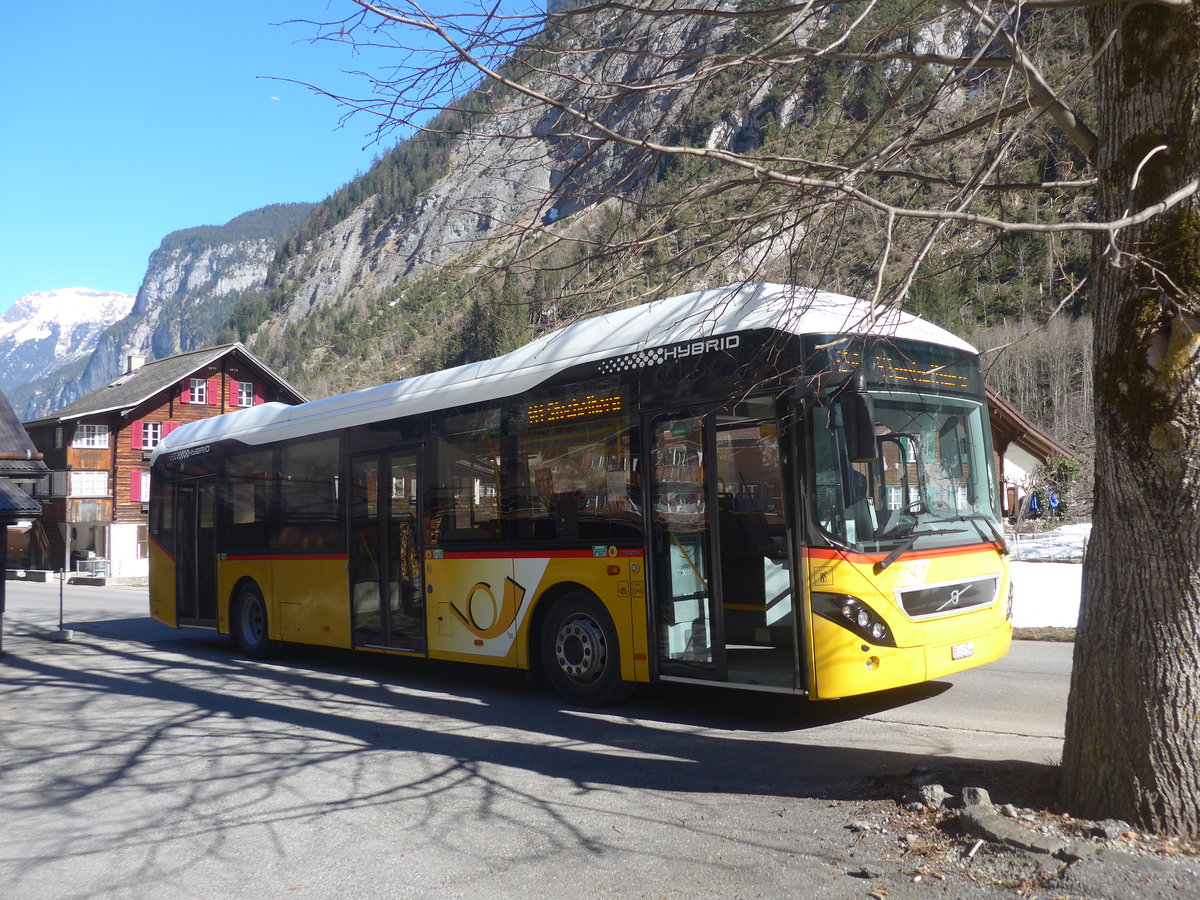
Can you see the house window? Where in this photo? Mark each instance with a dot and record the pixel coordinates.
(198, 390)
(89, 484)
(54, 486)
(151, 434)
(245, 393)
(91, 436)
(58, 437)
(139, 487)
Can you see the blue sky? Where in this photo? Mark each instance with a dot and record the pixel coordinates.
(124, 121)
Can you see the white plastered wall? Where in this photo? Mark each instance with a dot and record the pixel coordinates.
(123, 553)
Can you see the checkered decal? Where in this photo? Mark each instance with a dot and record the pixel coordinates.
(632, 361)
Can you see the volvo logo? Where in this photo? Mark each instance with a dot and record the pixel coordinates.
(955, 596)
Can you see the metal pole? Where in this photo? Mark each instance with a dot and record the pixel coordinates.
(3, 584)
(62, 634)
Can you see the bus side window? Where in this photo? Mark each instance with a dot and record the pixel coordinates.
(162, 512)
(464, 505)
(244, 499)
(309, 512)
(439, 515)
(576, 465)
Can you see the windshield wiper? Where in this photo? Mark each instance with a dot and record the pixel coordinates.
(997, 538)
(907, 543)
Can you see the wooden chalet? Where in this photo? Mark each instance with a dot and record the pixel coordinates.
(98, 450)
(1020, 447)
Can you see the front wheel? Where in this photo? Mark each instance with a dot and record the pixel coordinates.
(248, 624)
(580, 652)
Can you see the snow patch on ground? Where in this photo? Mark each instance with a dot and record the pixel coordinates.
(1046, 594)
(1064, 544)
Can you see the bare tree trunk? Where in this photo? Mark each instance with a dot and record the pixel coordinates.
(1133, 722)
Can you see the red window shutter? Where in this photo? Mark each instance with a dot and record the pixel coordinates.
(214, 392)
(233, 392)
(260, 393)
(185, 396)
(168, 427)
(135, 434)
(135, 487)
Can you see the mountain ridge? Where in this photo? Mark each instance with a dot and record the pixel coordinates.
(46, 330)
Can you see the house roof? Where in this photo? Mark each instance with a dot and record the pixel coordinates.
(134, 388)
(1009, 424)
(15, 504)
(18, 455)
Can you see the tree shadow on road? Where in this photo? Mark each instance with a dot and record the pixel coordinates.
(164, 745)
(675, 735)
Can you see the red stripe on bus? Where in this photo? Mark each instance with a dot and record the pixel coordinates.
(167, 553)
(533, 554)
(283, 557)
(864, 558)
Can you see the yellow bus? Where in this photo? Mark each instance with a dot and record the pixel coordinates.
(758, 486)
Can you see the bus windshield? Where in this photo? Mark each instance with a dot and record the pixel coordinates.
(929, 485)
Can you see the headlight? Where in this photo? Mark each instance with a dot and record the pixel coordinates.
(855, 616)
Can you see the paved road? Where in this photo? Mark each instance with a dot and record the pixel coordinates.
(140, 761)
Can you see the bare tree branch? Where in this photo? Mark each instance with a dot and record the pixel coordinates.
(599, 130)
(1040, 93)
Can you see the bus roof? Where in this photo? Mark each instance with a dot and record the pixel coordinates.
(701, 314)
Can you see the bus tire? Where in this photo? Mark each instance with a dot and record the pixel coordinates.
(248, 623)
(580, 651)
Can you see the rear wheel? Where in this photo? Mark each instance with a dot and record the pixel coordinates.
(248, 623)
(580, 652)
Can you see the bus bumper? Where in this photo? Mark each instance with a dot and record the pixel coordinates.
(985, 647)
(850, 667)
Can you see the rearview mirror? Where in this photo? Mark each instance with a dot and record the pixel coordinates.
(858, 420)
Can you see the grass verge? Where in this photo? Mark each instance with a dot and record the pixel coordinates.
(1046, 633)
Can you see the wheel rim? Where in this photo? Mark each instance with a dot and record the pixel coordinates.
(581, 649)
(253, 621)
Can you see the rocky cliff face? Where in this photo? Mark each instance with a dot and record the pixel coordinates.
(515, 169)
(188, 292)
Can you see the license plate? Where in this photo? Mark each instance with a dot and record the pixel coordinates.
(962, 651)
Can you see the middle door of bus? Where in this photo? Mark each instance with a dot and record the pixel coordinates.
(387, 595)
(722, 594)
(196, 555)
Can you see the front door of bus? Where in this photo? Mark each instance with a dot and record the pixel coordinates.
(196, 553)
(722, 587)
(386, 591)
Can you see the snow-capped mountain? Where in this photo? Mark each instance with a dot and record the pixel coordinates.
(46, 330)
